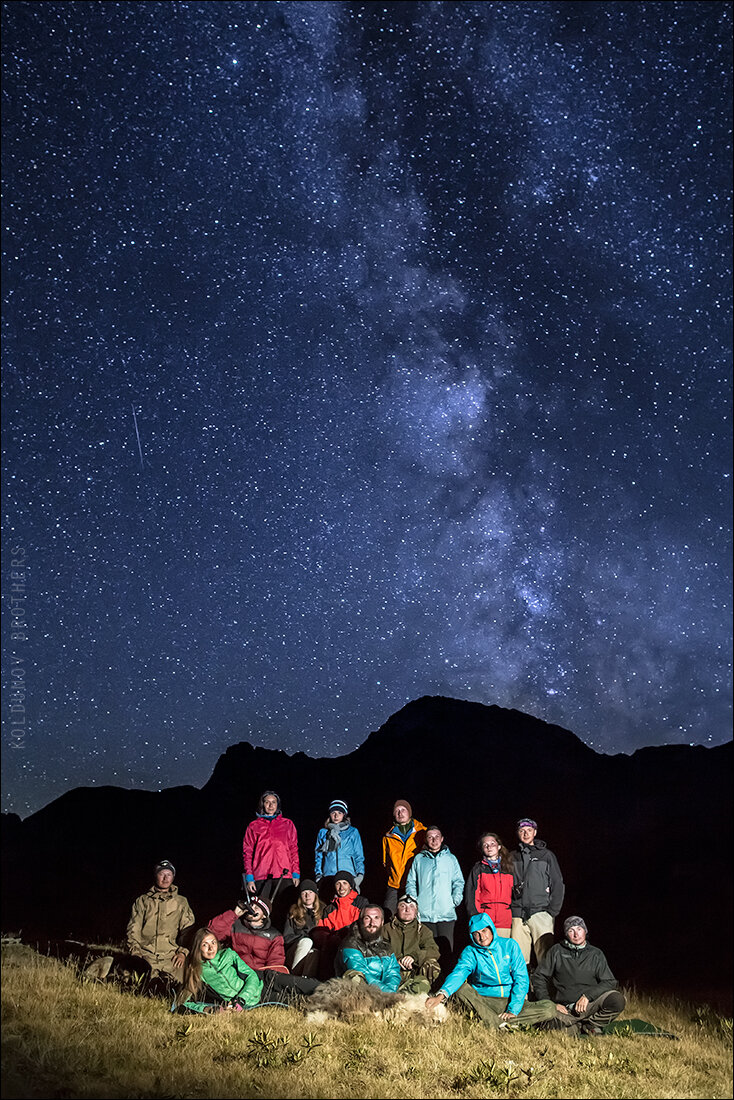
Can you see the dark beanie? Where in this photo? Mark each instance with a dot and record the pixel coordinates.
(307, 884)
(346, 875)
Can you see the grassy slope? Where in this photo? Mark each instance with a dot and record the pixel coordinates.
(66, 1038)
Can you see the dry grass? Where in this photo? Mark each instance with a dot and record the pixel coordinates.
(64, 1037)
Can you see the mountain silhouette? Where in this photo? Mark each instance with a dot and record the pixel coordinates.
(642, 840)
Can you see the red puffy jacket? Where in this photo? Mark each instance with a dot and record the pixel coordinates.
(261, 949)
(342, 912)
(488, 892)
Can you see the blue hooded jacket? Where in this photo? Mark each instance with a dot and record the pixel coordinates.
(495, 971)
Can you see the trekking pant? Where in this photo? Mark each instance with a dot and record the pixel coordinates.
(536, 931)
(598, 1014)
(284, 988)
(488, 1009)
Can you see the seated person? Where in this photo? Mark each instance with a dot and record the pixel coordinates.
(577, 976)
(215, 978)
(246, 929)
(491, 978)
(301, 956)
(160, 925)
(365, 956)
(339, 915)
(415, 948)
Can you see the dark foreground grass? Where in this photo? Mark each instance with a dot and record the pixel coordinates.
(66, 1037)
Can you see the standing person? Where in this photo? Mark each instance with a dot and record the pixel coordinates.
(160, 924)
(578, 977)
(489, 886)
(300, 954)
(339, 845)
(436, 882)
(216, 978)
(491, 979)
(270, 849)
(537, 894)
(399, 845)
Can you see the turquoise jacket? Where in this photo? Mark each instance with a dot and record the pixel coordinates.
(375, 962)
(230, 979)
(495, 971)
(437, 884)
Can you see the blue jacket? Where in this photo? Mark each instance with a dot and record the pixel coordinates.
(349, 856)
(495, 971)
(436, 882)
(375, 961)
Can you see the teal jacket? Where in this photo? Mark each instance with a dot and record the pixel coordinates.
(495, 971)
(230, 979)
(437, 884)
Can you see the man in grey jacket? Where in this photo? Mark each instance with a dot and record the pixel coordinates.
(537, 892)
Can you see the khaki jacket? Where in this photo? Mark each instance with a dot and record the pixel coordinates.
(157, 926)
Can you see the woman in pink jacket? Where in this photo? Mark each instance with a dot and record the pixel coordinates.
(270, 849)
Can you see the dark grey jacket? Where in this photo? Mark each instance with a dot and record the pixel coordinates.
(538, 883)
(567, 971)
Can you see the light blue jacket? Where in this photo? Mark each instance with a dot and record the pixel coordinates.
(349, 856)
(436, 882)
(495, 971)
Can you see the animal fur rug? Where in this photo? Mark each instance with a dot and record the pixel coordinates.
(343, 999)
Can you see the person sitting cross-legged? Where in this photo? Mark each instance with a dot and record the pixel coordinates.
(491, 978)
(578, 977)
(365, 955)
(415, 948)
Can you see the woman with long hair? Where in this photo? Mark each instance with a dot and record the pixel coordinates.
(216, 978)
(301, 956)
(489, 885)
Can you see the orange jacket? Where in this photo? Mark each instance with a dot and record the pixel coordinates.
(397, 854)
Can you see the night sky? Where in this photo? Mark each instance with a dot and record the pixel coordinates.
(355, 352)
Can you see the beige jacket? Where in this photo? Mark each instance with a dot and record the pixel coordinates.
(158, 923)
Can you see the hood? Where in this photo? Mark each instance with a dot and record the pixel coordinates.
(539, 844)
(482, 920)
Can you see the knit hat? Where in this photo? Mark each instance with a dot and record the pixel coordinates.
(402, 802)
(408, 898)
(164, 865)
(527, 821)
(339, 804)
(347, 876)
(263, 905)
(571, 922)
(307, 884)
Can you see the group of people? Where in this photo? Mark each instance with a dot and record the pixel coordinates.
(405, 945)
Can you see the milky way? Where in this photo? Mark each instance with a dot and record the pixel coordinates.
(357, 352)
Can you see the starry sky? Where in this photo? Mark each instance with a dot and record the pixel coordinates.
(355, 352)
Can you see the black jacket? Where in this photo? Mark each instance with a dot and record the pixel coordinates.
(538, 883)
(567, 972)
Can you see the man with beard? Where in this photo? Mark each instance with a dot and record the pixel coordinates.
(366, 957)
(246, 929)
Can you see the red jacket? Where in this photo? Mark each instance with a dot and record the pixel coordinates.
(489, 893)
(270, 845)
(342, 912)
(262, 949)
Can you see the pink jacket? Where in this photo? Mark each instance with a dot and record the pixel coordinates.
(270, 847)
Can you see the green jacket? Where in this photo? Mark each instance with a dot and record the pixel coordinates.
(413, 939)
(158, 925)
(229, 979)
